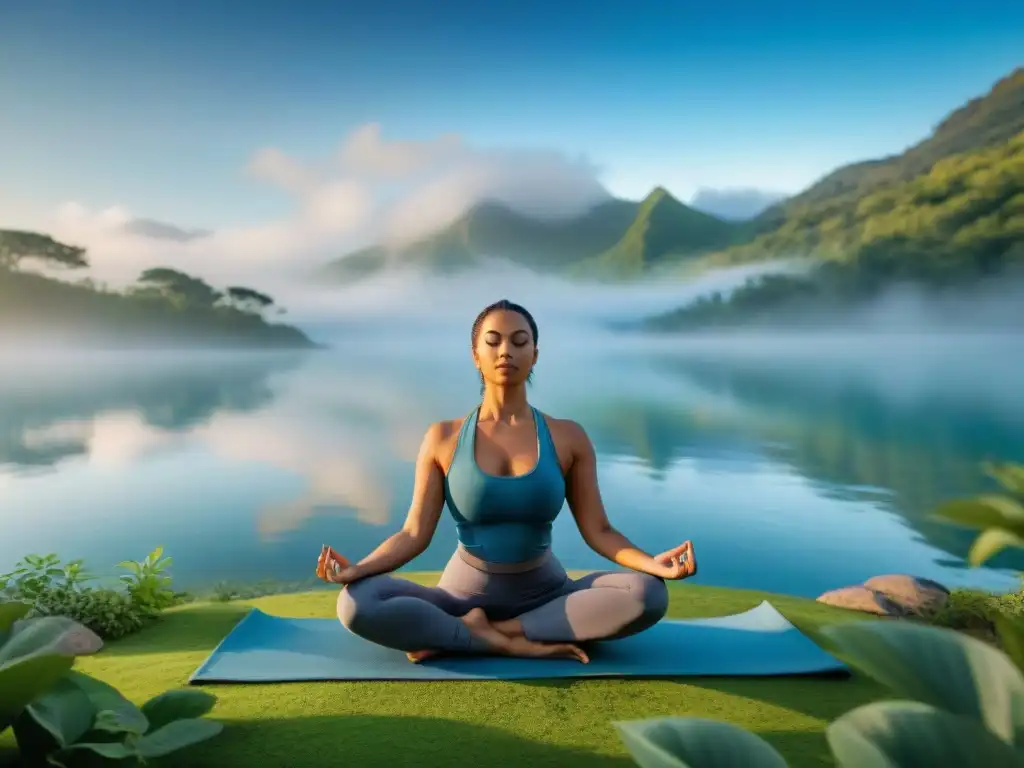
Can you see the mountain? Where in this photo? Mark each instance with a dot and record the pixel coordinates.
(664, 230)
(614, 239)
(491, 229)
(985, 121)
(932, 200)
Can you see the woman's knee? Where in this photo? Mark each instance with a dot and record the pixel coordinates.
(355, 601)
(653, 595)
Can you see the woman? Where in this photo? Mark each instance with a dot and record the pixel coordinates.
(504, 471)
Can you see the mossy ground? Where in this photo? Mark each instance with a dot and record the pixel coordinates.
(544, 723)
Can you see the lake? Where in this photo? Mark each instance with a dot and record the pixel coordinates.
(795, 464)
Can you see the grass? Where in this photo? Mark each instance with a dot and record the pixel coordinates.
(536, 723)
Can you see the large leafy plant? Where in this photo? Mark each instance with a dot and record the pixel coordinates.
(63, 717)
(959, 701)
(82, 718)
(34, 655)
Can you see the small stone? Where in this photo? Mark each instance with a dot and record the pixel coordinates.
(80, 641)
(913, 594)
(862, 598)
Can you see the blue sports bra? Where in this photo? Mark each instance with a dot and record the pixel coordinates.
(504, 519)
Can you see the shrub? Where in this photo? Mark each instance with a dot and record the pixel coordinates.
(55, 589)
(107, 612)
(147, 584)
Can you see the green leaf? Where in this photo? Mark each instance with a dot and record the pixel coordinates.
(990, 543)
(102, 695)
(10, 613)
(940, 667)
(64, 711)
(111, 750)
(691, 742)
(180, 704)
(24, 679)
(1010, 476)
(1011, 635)
(989, 511)
(126, 718)
(901, 734)
(177, 735)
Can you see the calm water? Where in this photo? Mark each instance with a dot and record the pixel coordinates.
(795, 466)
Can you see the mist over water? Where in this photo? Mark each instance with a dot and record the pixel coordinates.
(408, 298)
(797, 461)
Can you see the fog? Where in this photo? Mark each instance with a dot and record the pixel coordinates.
(413, 302)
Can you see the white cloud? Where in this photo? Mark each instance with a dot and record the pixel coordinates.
(371, 189)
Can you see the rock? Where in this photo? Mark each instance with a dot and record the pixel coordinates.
(80, 641)
(72, 638)
(913, 594)
(862, 598)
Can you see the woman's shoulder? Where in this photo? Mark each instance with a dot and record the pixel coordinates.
(567, 430)
(445, 429)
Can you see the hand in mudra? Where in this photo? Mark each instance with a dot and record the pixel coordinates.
(679, 563)
(333, 568)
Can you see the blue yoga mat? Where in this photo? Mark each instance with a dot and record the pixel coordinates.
(760, 642)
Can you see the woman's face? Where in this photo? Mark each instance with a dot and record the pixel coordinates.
(505, 352)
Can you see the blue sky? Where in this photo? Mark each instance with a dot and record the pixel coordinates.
(158, 105)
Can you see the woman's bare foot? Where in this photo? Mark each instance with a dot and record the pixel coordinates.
(509, 627)
(481, 626)
(417, 656)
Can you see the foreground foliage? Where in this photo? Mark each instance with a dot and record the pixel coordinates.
(959, 701)
(61, 716)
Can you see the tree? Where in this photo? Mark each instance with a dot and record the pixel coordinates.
(18, 245)
(178, 285)
(248, 300)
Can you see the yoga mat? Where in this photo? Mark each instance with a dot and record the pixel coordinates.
(760, 642)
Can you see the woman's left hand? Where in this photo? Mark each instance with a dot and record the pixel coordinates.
(678, 563)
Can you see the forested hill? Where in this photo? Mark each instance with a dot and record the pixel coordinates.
(986, 121)
(165, 306)
(948, 231)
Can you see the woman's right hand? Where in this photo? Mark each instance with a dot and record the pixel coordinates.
(333, 568)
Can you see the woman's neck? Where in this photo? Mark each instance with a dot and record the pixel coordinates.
(504, 404)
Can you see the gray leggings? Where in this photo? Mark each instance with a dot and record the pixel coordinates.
(551, 607)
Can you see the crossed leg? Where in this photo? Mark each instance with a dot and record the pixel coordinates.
(421, 621)
(599, 606)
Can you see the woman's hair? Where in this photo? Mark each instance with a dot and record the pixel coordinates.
(502, 306)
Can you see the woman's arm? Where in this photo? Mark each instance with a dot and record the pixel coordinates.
(587, 508)
(421, 521)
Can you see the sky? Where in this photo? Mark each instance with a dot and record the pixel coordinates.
(291, 130)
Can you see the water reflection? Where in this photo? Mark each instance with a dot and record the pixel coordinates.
(793, 477)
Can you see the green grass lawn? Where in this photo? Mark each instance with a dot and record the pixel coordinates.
(544, 723)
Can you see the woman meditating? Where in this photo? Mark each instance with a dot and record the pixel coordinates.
(505, 471)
